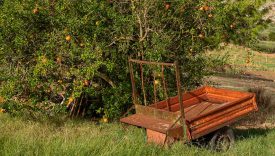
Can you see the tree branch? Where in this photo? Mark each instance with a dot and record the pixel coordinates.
(106, 78)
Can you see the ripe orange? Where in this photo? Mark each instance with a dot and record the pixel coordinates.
(58, 60)
(35, 11)
(71, 99)
(167, 6)
(201, 36)
(201, 9)
(2, 110)
(206, 8)
(68, 38)
(105, 120)
(86, 83)
(157, 82)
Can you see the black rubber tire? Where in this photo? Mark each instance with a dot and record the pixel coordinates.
(222, 140)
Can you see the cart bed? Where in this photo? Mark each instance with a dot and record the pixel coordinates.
(206, 110)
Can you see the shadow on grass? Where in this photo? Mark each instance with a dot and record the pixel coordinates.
(242, 134)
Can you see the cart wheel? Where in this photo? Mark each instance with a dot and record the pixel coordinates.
(222, 139)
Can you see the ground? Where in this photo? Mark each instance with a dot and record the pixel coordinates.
(25, 137)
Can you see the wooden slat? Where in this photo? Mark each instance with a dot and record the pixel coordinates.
(226, 92)
(197, 110)
(150, 123)
(175, 100)
(215, 98)
(157, 113)
(190, 102)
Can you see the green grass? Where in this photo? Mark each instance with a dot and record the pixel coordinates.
(237, 57)
(266, 46)
(267, 40)
(23, 137)
(265, 34)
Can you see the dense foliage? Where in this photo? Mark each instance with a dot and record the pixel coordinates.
(58, 48)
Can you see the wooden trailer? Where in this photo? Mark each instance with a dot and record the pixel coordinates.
(189, 116)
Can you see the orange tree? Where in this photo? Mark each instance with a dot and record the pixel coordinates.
(56, 48)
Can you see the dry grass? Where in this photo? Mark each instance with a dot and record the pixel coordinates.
(244, 59)
(263, 100)
(265, 106)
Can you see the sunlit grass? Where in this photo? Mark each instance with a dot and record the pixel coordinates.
(23, 137)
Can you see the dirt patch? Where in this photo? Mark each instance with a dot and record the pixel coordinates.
(268, 75)
(242, 82)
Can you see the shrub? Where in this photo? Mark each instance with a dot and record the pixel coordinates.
(60, 49)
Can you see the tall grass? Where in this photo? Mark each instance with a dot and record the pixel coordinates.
(23, 137)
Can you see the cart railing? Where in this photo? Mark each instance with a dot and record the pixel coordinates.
(163, 65)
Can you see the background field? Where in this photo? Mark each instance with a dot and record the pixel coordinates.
(244, 59)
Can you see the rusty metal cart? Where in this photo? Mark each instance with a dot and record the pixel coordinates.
(191, 115)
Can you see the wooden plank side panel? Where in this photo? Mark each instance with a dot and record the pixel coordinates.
(197, 110)
(214, 121)
(220, 122)
(175, 100)
(212, 98)
(150, 123)
(219, 99)
(190, 102)
(157, 113)
(221, 112)
(224, 107)
(227, 92)
(159, 105)
(214, 95)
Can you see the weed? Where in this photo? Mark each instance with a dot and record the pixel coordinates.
(263, 100)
